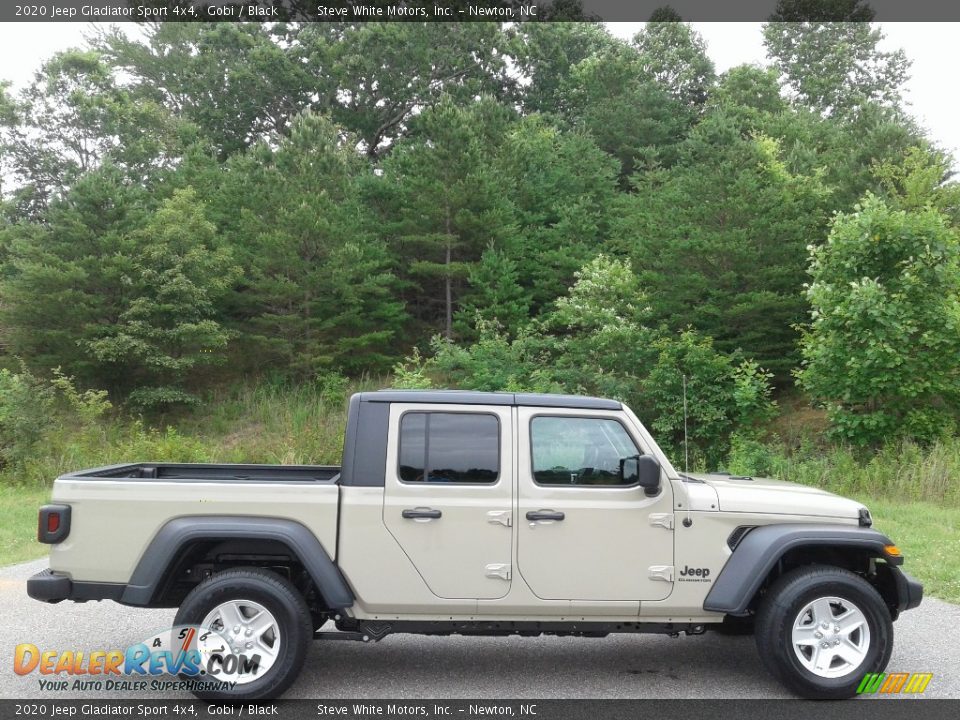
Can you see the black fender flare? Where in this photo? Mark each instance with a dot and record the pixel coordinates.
(761, 548)
(167, 544)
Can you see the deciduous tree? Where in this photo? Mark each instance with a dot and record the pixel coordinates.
(882, 352)
(836, 67)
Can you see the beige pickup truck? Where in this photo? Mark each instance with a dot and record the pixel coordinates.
(482, 514)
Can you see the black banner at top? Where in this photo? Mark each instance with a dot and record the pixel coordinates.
(474, 10)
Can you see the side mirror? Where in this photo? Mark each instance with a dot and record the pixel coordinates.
(644, 470)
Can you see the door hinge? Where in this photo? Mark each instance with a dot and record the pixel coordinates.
(664, 520)
(661, 572)
(500, 517)
(499, 570)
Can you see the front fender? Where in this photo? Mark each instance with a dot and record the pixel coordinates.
(760, 550)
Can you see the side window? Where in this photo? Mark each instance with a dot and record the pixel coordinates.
(579, 451)
(439, 447)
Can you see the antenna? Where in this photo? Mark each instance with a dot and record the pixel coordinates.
(687, 521)
(686, 448)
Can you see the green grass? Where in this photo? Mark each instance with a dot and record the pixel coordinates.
(262, 424)
(18, 523)
(929, 536)
(900, 469)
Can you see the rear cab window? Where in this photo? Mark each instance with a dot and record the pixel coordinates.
(447, 447)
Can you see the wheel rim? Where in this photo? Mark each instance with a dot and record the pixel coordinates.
(831, 637)
(251, 631)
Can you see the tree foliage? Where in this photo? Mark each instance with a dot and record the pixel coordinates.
(195, 203)
(317, 287)
(596, 341)
(176, 271)
(738, 220)
(611, 97)
(674, 55)
(836, 67)
(445, 201)
(883, 349)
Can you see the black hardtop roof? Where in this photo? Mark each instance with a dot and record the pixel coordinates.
(473, 397)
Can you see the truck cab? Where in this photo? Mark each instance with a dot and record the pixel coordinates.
(504, 504)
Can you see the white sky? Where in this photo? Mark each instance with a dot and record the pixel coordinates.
(933, 48)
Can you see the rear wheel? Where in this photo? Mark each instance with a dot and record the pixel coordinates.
(261, 622)
(820, 629)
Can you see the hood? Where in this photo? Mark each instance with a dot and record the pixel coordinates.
(765, 495)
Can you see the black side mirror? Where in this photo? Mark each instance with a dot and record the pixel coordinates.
(643, 470)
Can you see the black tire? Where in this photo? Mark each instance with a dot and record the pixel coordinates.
(284, 602)
(781, 607)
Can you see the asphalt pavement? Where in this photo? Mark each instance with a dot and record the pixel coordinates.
(411, 667)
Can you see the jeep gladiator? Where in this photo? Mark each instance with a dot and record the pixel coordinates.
(482, 514)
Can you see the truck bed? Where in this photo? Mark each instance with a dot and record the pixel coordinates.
(201, 472)
(132, 502)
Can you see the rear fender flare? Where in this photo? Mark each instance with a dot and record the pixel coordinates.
(166, 547)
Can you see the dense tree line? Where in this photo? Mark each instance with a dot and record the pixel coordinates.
(561, 208)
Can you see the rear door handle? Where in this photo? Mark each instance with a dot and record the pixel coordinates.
(421, 513)
(545, 515)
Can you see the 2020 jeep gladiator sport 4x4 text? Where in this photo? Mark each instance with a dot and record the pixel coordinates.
(487, 514)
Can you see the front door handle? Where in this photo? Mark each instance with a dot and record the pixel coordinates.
(421, 514)
(545, 515)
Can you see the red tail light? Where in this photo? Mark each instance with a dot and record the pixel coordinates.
(53, 524)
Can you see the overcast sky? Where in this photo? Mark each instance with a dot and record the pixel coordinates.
(933, 47)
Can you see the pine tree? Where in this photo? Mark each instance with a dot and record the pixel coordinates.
(630, 115)
(446, 201)
(563, 188)
(168, 326)
(66, 278)
(728, 261)
(495, 295)
(320, 290)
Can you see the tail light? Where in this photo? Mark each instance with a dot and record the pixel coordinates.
(53, 524)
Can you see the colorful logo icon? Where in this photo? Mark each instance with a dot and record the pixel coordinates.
(893, 683)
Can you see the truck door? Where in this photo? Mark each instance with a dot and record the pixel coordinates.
(448, 496)
(583, 534)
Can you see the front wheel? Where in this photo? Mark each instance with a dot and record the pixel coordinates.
(263, 625)
(820, 629)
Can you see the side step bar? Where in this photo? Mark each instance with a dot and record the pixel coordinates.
(341, 635)
(376, 630)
